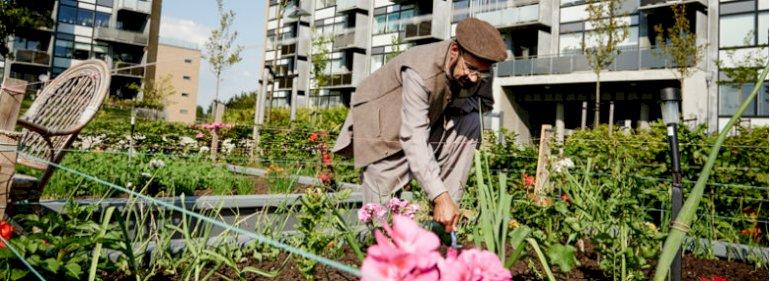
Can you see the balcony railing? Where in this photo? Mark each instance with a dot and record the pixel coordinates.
(418, 30)
(348, 39)
(628, 59)
(34, 57)
(122, 36)
(512, 16)
(144, 7)
(128, 69)
(348, 5)
(660, 3)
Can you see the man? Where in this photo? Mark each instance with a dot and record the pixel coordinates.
(419, 116)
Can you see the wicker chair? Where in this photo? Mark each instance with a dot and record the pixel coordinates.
(54, 120)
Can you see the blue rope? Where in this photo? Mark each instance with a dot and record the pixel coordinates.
(24, 261)
(255, 236)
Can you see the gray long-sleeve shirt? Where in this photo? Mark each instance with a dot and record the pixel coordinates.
(415, 129)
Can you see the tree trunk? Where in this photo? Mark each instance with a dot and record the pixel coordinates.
(597, 104)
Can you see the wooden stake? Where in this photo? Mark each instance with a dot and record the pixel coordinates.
(11, 94)
(541, 178)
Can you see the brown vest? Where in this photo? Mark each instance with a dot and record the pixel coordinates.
(376, 105)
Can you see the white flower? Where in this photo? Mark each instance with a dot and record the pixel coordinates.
(228, 146)
(204, 149)
(563, 165)
(185, 141)
(157, 163)
(89, 142)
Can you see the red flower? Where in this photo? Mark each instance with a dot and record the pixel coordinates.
(313, 137)
(712, 278)
(566, 198)
(754, 232)
(6, 231)
(326, 159)
(749, 211)
(527, 180)
(325, 177)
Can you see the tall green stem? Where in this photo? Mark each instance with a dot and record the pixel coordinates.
(685, 217)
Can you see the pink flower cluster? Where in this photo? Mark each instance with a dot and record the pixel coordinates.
(411, 253)
(373, 212)
(402, 207)
(216, 125)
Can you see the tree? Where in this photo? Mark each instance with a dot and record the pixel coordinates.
(320, 60)
(220, 51)
(396, 42)
(15, 16)
(679, 44)
(603, 41)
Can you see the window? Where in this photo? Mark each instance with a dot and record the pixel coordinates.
(85, 17)
(186, 77)
(570, 43)
(102, 19)
(185, 94)
(731, 96)
(67, 14)
(183, 111)
(393, 21)
(63, 48)
(762, 28)
(736, 30)
(377, 61)
(187, 60)
(105, 3)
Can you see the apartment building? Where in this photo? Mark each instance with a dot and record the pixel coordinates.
(116, 31)
(547, 78)
(179, 68)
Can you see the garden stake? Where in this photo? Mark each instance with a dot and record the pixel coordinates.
(681, 224)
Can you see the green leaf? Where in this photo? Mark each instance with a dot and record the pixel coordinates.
(17, 274)
(562, 256)
(73, 270)
(52, 265)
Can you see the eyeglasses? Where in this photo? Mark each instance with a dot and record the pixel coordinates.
(470, 70)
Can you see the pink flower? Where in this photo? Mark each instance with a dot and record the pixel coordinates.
(403, 207)
(200, 136)
(410, 254)
(371, 212)
(472, 265)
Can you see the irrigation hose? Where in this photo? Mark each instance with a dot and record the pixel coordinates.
(22, 259)
(255, 236)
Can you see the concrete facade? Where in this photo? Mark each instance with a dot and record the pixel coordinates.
(181, 69)
(116, 31)
(547, 79)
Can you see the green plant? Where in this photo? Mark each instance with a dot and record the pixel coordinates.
(682, 222)
(322, 228)
(58, 245)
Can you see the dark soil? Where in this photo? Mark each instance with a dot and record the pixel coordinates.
(287, 269)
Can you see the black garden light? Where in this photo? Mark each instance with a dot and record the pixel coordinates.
(669, 106)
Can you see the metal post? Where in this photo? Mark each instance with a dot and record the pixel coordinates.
(131, 143)
(584, 115)
(676, 194)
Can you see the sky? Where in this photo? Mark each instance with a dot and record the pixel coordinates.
(192, 21)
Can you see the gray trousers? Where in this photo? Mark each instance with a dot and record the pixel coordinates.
(454, 145)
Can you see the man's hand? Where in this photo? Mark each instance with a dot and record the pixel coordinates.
(445, 212)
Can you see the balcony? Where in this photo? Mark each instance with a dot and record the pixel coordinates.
(348, 76)
(423, 30)
(513, 16)
(630, 59)
(121, 36)
(144, 7)
(32, 57)
(350, 39)
(353, 5)
(127, 69)
(652, 4)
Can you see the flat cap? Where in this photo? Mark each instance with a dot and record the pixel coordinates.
(481, 39)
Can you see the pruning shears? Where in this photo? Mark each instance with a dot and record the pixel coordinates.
(454, 240)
